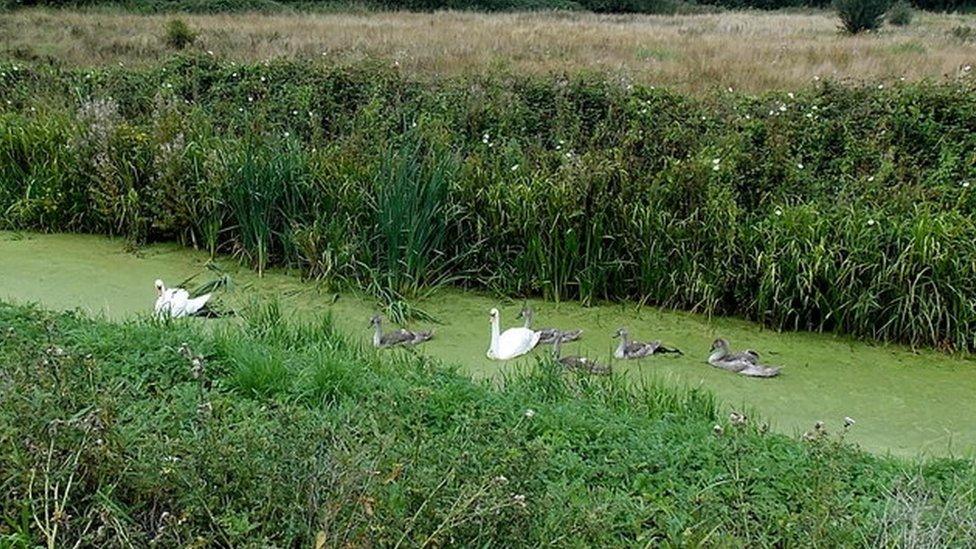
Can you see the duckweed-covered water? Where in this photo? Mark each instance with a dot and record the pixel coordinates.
(904, 402)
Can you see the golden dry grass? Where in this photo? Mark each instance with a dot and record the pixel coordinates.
(747, 51)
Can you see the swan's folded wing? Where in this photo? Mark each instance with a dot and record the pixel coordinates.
(194, 305)
(749, 356)
(756, 370)
(397, 337)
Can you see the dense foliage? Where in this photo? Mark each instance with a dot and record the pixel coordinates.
(268, 434)
(838, 208)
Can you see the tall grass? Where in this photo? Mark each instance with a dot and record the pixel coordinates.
(836, 208)
(143, 433)
(747, 50)
(415, 225)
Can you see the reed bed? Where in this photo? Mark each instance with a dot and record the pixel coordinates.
(839, 208)
(168, 434)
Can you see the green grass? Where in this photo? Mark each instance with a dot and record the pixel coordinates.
(834, 208)
(110, 435)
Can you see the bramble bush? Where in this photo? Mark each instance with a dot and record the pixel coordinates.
(836, 208)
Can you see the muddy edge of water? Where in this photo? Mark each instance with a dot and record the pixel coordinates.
(905, 403)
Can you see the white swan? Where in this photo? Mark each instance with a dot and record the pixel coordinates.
(176, 302)
(512, 342)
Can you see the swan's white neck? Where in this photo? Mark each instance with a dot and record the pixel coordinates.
(717, 354)
(493, 348)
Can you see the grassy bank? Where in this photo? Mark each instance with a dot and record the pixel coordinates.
(113, 434)
(702, 54)
(836, 208)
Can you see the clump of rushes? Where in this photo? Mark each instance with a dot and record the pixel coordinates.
(857, 16)
(824, 209)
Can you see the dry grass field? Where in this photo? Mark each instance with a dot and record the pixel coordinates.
(747, 51)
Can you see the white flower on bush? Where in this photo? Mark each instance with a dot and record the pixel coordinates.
(799, 166)
(870, 222)
(515, 168)
(870, 179)
(263, 79)
(287, 134)
(778, 211)
(530, 413)
(965, 184)
(209, 52)
(782, 108)
(790, 95)
(294, 113)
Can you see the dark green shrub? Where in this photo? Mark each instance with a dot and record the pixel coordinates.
(179, 35)
(900, 13)
(860, 15)
(963, 33)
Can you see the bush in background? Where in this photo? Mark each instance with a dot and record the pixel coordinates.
(860, 15)
(179, 35)
(900, 13)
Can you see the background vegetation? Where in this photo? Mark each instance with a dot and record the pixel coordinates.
(600, 6)
(838, 208)
(279, 6)
(138, 433)
(702, 54)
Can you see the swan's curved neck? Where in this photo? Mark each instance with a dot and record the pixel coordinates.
(494, 335)
(528, 320)
(377, 334)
